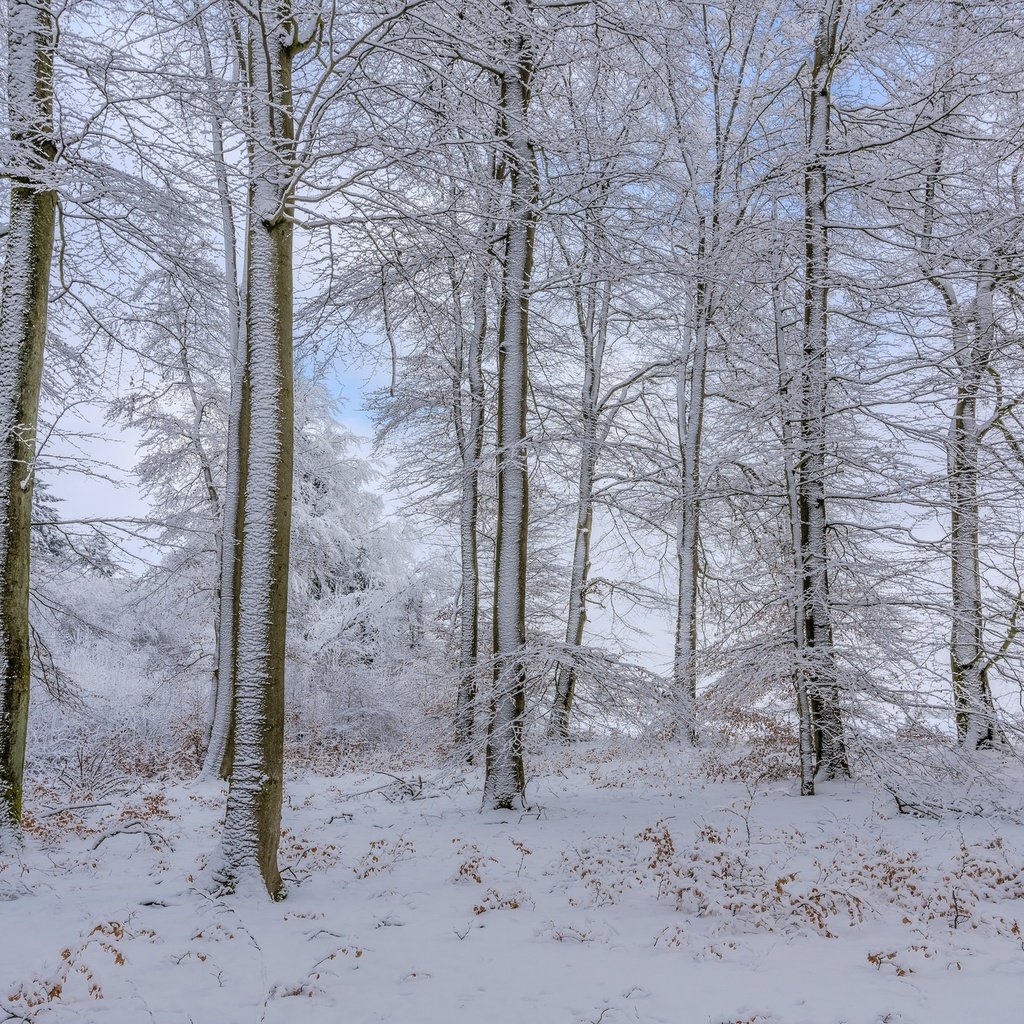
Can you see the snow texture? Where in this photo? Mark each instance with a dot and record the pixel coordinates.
(634, 889)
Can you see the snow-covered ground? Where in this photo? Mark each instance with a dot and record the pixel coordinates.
(635, 889)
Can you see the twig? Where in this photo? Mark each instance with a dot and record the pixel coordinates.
(135, 828)
(74, 807)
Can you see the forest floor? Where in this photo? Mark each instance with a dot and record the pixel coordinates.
(635, 889)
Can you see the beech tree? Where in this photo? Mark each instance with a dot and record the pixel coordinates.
(966, 234)
(218, 729)
(817, 680)
(436, 294)
(272, 35)
(595, 185)
(735, 50)
(23, 316)
(505, 780)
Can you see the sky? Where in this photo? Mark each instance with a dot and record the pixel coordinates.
(89, 464)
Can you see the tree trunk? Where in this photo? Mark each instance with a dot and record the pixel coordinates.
(576, 621)
(973, 339)
(976, 721)
(216, 760)
(470, 432)
(790, 420)
(23, 312)
(213, 498)
(505, 780)
(592, 313)
(469, 626)
(816, 654)
(689, 426)
(219, 749)
(252, 823)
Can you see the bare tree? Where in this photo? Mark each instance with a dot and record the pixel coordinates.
(218, 730)
(817, 679)
(23, 316)
(969, 241)
(272, 35)
(505, 781)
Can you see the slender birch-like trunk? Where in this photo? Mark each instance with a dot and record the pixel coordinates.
(23, 313)
(505, 781)
(789, 387)
(252, 822)
(689, 427)
(816, 653)
(976, 721)
(715, 204)
(592, 315)
(471, 445)
(470, 434)
(214, 501)
(973, 338)
(216, 760)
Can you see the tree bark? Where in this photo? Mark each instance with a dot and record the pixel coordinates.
(816, 653)
(470, 433)
(592, 313)
(217, 760)
(789, 387)
(689, 426)
(505, 780)
(251, 832)
(977, 724)
(23, 315)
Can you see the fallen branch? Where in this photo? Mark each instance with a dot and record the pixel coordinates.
(74, 807)
(136, 828)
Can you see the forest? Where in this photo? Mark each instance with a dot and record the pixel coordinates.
(512, 510)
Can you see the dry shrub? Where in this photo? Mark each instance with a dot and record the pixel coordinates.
(727, 884)
(751, 746)
(382, 856)
(75, 976)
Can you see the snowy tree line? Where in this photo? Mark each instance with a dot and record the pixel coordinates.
(711, 310)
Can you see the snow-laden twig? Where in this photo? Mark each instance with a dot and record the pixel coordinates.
(135, 827)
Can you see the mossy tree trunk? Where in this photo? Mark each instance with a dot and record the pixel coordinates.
(23, 313)
(252, 824)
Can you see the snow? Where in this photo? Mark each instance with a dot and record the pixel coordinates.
(633, 889)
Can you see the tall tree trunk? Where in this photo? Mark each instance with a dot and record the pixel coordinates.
(469, 626)
(252, 823)
(689, 426)
(976, 721)
(592, 314)
(505, 780)
(470, 431)
(214, 501)
(973, 339)
(816, 652)
(23, 311)
(576, 620)
(790, 388)
(216, 760)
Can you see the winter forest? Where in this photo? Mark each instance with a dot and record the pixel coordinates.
(512, 510)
